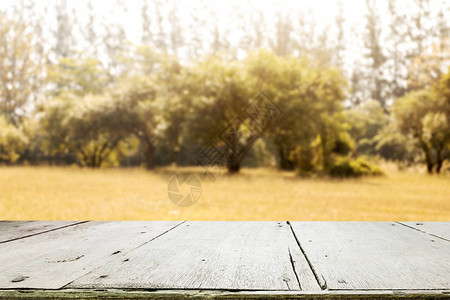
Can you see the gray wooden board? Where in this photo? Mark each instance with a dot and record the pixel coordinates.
(439, 229)
(374, 255)
(11, 230)
(53, 259)
(220, 294)
(210, 255)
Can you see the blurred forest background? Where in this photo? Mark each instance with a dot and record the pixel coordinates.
(77, 87)
(125, 86)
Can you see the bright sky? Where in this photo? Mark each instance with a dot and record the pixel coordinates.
(229, 15)
(320, 9)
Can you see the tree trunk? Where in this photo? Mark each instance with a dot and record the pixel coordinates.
(428, 159)
(439, 166)
(234, 163)
(93, 160)
(439, 161)
(285, 162)
(429, 167)
(149, 156)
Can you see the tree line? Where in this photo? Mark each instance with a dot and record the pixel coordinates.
(122, 104)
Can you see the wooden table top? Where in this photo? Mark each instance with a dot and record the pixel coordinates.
(48, 259)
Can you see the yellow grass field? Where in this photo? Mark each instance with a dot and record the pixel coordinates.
(56, 193)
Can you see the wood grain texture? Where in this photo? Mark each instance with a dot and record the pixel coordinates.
(438, 229)
(12, 230)
(220, 294)
(56, 258)
(374, 255)
(210, 255)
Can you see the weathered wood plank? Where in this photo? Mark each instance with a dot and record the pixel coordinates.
(374, 255)
(13, 230)
(220, 294)
(210, 255)
(56, 258)
(438, 229)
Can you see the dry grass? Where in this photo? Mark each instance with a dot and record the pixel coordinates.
(34, 193)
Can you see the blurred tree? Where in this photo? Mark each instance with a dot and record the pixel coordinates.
(310, 98)
(90, 32)
(29, 13)
(305, 33)
(439, 126)
(90, 127)
(78, 76)
(114, 40)
(53, 115)
(64, 40)
(419, 30)
(340, 43)
(148, 91)
(172, 107)
(220, 43)
(366, 121)
(146, 19)
(424, 115)
(160, 34)
(417, 44)
(281, 42)
(426, 68)
(259, 29)
(141, 113)
(143, 61)
(358, 85)
(197, 25)
(373, 44)
(219, 91)
(12, 141)
(96, 126)
(174, 89)
(176, 37)
(392, 145)
(396, 62)
(20, 68)
(311, 39)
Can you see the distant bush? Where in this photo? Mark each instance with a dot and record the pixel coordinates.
(345, 167)
(304, 158)
(13, 141)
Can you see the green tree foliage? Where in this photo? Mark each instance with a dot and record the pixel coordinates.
(173, 111)
(311, 100)
(90, 127)
(424, 115)
(20, 68)
(13, 141)
(106, 100)
(92, 123)
(392, 145)
(96, 127)
(140, 110)
(77, 75)
(346, 167)
(366, 122)
(214, 93)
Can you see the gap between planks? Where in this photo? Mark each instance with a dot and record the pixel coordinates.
(374, 255)
(41, 232)
(211, 255)
(152, 239)
(50, 261)
(322, 283)
(423, 231)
